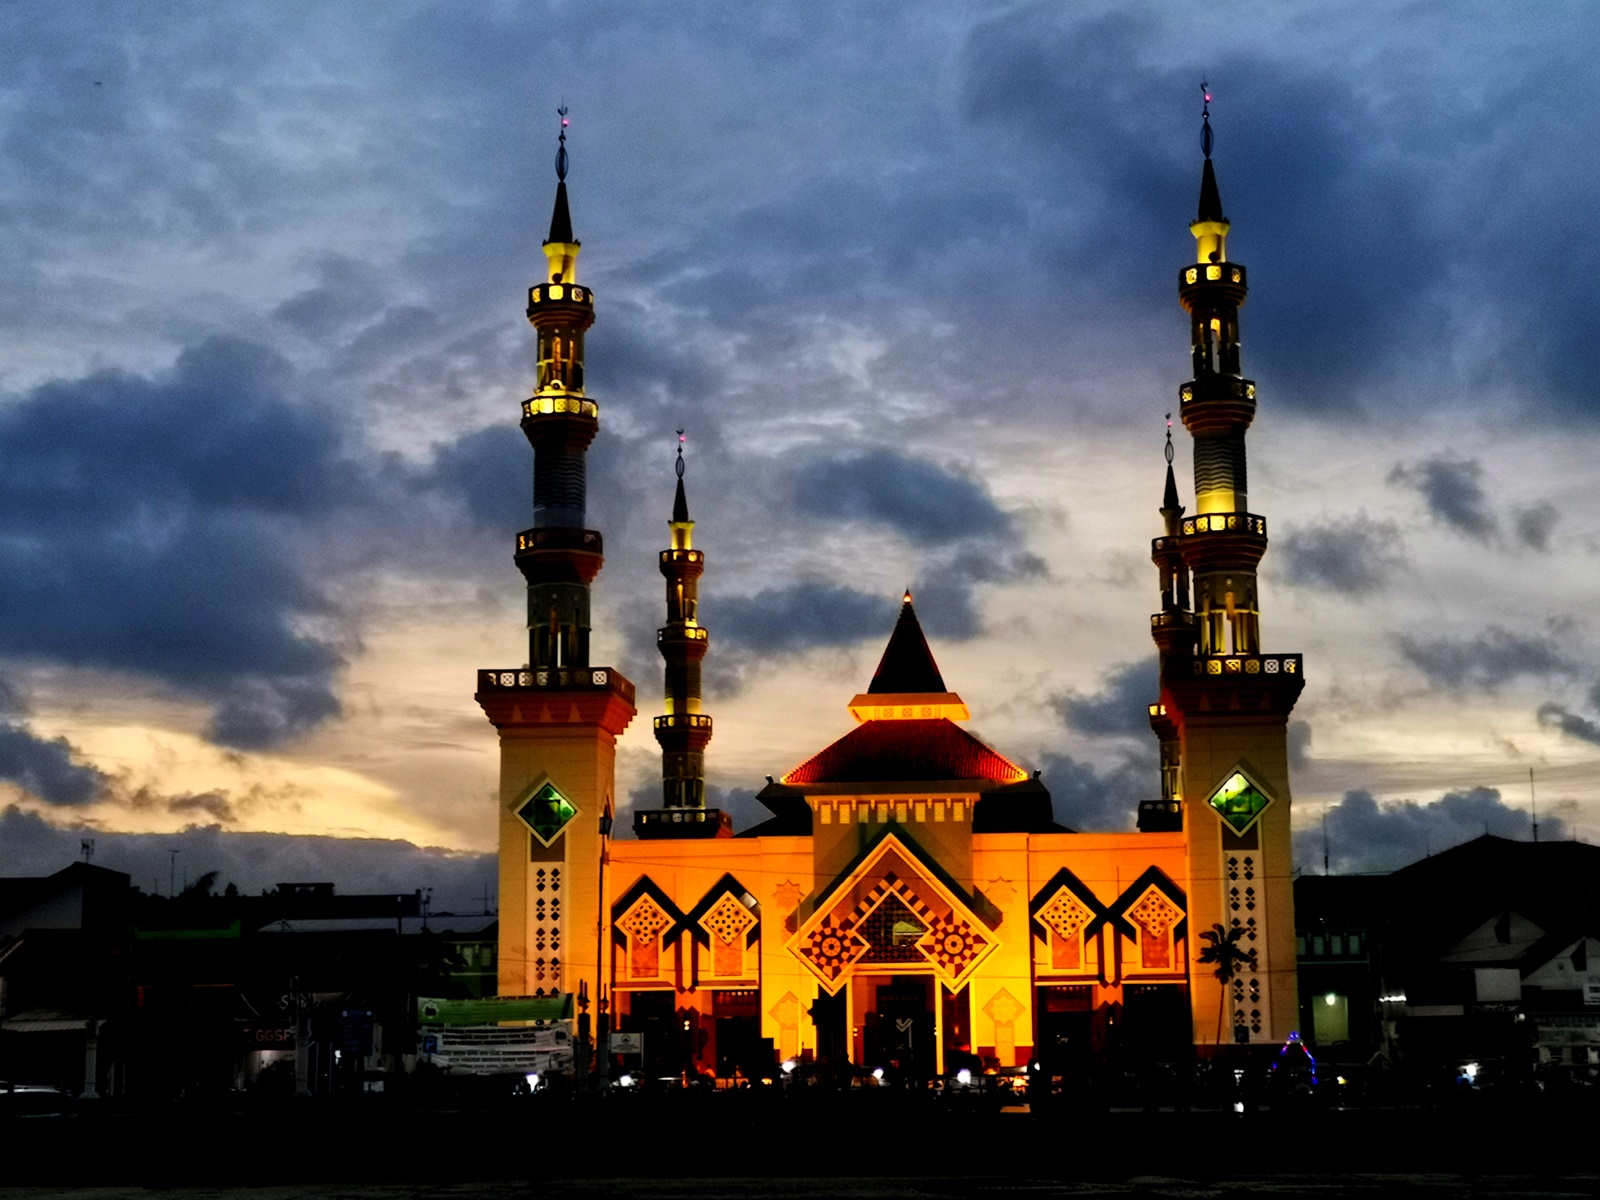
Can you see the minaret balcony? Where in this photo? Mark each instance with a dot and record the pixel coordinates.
(1228, 278)
(563, 678)
(1177, 619)
(1233, 522)
(683, 721)
(560, 404)
(560, 537)
(682, 556)
(1224, 387)
(556, 298)
(1234, 665)
(685, 633)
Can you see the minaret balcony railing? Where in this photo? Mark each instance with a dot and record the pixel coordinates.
(1214, 273)
(545, 406)
(683, 721)
(1247, 664)
(683, 556)
(688, 633)
(559, 293)
(1216, 385)
(560, 537)
(1234, 522)
(598, 678)
(1171, 620)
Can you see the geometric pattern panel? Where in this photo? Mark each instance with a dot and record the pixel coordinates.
(645, 921)
(1156, 916)
(1239, 802)
(1065, 915)
(873, 916)
(728, 920)
(831, 949)
(953, 945)
(547, 812)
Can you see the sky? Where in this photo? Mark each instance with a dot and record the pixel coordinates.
(907, 276)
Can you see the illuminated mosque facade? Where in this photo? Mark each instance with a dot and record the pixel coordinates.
(911, 900)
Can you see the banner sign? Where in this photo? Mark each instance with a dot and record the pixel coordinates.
(493, 1009)
(496, 1050)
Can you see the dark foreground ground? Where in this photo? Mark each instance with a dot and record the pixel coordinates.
(850, 1146)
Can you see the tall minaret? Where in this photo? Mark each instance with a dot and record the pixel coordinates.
(558, 717)
(683, 731)
(1224, 707)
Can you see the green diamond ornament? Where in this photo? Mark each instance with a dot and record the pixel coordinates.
(1239, 802)
(547, 812)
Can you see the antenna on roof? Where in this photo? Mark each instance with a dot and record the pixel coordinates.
(1533, 799)
(86, 846)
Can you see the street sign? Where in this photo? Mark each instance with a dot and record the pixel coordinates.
(491, 1010)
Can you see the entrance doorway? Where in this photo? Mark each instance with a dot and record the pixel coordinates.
(897, 1026)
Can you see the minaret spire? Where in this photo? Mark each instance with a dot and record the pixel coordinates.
(684, 731)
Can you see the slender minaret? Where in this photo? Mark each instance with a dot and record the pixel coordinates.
(558, 556)
(683, 730)
(558, 717)
(1174, 634)
(1224, 707)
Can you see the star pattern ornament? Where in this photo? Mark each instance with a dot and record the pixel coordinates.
(833, 948)
(952, 945)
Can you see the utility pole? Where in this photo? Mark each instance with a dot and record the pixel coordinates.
(1533, 799)
(172, 872)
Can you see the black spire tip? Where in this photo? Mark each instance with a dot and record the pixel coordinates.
(907, 666)
(561, 218)
(1210, 198)
(680, 503)
(1169, 499)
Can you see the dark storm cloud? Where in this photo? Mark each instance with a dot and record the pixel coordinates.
(1094, 801)
(924, 503)
(1355, 555)
(1535, 523)
(1558, 716)
(491, 471)
(1364, 835)
(799, 617)
(47, 767)
(1493, 658)
(252, 861)
(149, 526)
(1120, 708)
(1452, 488)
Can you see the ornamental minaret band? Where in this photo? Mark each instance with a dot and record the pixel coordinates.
(683, 730)
(558, 556)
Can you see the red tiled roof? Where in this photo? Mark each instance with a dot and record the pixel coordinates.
(913, 751)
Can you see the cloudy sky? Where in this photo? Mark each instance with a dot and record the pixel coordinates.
(907, 274)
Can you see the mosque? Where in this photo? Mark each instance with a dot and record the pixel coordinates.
(911, 901)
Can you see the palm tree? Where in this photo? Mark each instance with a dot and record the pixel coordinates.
(1222, 950)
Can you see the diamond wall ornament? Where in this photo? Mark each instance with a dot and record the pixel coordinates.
(1239, 802)
(547, 812)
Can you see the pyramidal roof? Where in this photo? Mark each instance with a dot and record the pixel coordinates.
(907, 665)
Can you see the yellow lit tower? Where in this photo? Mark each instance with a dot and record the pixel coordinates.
(683, 730)
(558, 716)
(1224, 707)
